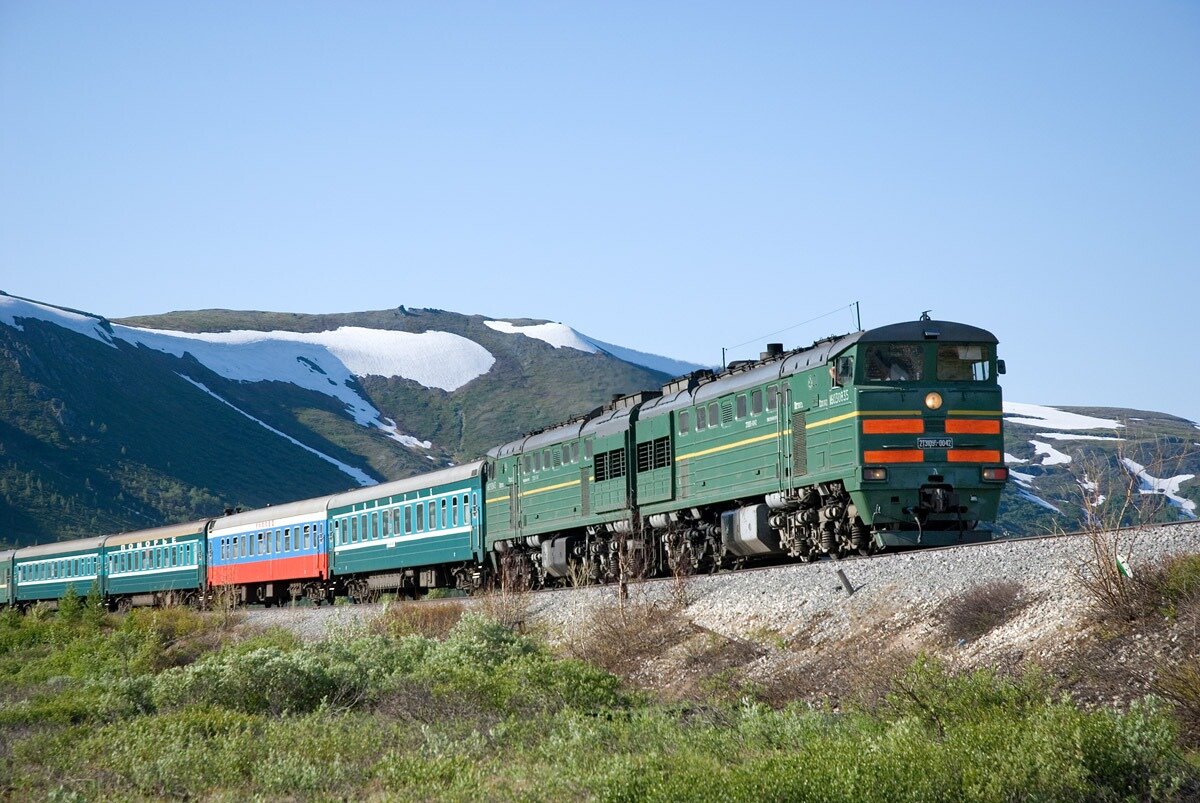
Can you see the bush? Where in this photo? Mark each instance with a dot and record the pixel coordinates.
(266, 680)
(431, 621)
(1181, 685)
(980, 609)
(1179, 579)
(70, 607)
(93, 607)
(620, 637)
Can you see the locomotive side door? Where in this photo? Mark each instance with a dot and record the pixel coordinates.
(783, 424)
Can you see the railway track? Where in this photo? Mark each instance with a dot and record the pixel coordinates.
(825, 562)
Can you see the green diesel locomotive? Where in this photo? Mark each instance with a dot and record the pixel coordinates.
(882, 438)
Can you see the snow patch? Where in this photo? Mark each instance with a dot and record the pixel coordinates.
(1024, 485)
(389, 428)
(1036, 415)
(12, 309)
(314, 359)
(562, 336)
(1168, 487)
(1022, 478)
(654, 362)
(1072, 436)
(1053, 456)
(1011, 460)
(1037, 500)
(358, 475)
(328, 362)
(556, 334)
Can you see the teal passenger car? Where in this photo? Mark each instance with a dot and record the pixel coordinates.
(157, 566)
(423, 532)
(46, 572)
(6, 581)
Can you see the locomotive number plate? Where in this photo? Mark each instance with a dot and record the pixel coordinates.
(935, 443)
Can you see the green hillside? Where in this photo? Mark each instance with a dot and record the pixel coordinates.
(1097, 486)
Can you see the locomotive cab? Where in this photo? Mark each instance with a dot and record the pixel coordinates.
(930, 430)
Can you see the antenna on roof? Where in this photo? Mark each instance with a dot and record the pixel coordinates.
(925, 315)
(760, 338)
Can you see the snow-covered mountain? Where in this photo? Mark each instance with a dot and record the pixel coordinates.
(277, 405)
(1075, 468)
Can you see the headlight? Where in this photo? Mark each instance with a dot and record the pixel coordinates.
(933, 400)
(875, 474)
(995, 474)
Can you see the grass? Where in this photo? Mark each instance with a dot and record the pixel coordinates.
(162, 705)
(981, 608)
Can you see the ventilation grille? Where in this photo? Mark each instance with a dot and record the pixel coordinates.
(799, 445)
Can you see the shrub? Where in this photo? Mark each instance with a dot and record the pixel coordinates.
(980, 609)
(1180, 578)
(70, 607)
(480, 641)
(1181, 685)
(93, 607)
(266, 680)
(619, 638)
(431, 621)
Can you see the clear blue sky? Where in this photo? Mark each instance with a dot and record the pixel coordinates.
(670, 177)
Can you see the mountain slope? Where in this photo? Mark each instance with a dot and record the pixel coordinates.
(1072, 467)
(108, 426)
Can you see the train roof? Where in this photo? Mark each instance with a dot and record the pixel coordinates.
(170, 531)
(613, 417)
(7, 554)
(702, 386)
(415, 483)
(60, 547)
(265, 514)
(921, 331)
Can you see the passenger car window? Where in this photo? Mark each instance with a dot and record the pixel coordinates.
(741, 406)
(701, 419)
(756, 404)
(685, 422)
(964, 363)
(714, 414)
(772, 397)
(895, 362)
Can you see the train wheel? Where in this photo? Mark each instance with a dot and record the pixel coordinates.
(124, 605)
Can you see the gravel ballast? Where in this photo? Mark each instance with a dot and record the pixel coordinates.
(892, 593)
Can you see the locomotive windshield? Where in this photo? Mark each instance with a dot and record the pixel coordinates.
(894, 362)
(964, 363)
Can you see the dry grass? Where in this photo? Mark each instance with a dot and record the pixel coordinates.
(858, 667)
(432, 620)
(622, 635)
(508, 607)
(1181, 685)
(982, 608)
